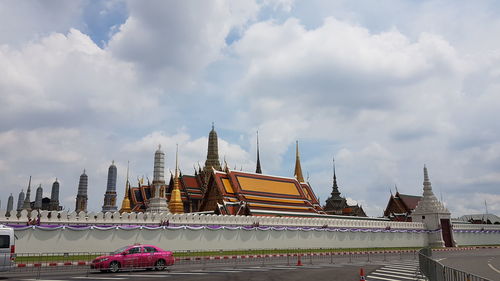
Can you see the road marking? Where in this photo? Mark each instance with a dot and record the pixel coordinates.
(143, 275)
(98, 278)
(382, 278)
(41, 280)
(187, 273)
(391, 275)
(217, 271)
(402, 267)
(440, 259)
(404, 264)
(492, 267)
(395, 272)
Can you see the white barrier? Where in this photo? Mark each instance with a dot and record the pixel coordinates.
(282, 232)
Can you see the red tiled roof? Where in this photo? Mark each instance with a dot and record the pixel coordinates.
(410, 201)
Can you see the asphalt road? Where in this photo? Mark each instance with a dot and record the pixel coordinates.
(482, 262)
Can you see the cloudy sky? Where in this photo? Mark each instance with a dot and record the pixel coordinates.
(383, 86)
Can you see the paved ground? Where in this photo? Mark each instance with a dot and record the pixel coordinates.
(390, 267)
(481, 262)
(341, 270)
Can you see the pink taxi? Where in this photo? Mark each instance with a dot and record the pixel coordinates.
(134, 256)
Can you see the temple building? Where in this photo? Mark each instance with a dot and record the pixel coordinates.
(10, 205)
(54, 197)
(175, 204)
(81, 197)
(191, 187)
(38, 198)
(243, 193)
(213, 190)
(20, 201)
(27, 201)
(157, 199)
(337, 205)
(401, 206)
(110, 195)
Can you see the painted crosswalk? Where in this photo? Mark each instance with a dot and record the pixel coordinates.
(397, 271)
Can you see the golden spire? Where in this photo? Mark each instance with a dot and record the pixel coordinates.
(175, 205)
(298, 170)
(126, 200)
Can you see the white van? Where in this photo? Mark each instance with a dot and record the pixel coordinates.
(7, 248)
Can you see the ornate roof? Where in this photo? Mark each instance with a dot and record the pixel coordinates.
(239, 192)
(429, 203)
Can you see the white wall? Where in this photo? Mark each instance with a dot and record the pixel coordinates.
(344, 232)
(476, 234)
(36, 240)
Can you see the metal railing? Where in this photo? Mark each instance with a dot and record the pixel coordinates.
(436, 271)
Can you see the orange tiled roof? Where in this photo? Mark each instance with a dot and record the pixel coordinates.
(260, 193)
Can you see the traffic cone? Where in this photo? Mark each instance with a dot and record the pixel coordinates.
(299, 262)
(361, 274)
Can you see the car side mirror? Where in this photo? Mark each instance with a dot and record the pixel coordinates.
(125, 253)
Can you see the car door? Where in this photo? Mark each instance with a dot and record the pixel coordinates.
(150, 256)
(132, 257)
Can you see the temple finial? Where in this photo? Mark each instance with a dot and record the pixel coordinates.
(258, 170)
(213, 126)
(298, 168)
(396, 188)
(177, 160)
(426, 174)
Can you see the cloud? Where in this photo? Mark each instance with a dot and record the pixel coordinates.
(383, 94)
(175, 40)
(39, 19)
(67, 80)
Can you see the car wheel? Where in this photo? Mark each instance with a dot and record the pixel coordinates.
(114, 266)
(160, 265)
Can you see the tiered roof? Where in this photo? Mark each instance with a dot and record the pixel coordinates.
(244, 193)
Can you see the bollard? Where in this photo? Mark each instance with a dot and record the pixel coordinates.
(362, 274)
(299, 262)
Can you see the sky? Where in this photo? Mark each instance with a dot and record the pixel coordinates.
(384, 87)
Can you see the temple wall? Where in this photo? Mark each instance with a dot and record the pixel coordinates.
(103, 232)
(100, 232)
(476, 234)
(39, 240)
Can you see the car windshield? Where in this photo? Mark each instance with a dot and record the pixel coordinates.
(119, 251)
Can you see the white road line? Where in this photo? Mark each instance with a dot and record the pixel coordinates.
(41, 280)
(395, 272)
(381, 278)
(142, 275)
(253, 269)
(492, 267)
(283, 268)
(404, 264)
(401, 269)
(187, 273)
(98, 278)
(396, 276)
(218, 271)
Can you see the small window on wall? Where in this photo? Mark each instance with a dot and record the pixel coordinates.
(423, 217)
